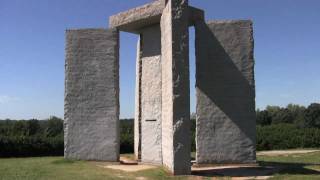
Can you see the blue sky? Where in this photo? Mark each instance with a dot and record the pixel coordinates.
(32, 39)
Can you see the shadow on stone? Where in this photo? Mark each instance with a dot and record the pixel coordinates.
(225, 97)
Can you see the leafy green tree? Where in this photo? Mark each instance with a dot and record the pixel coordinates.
(32, 127)
(296, 109)
(273, 110)
(6, 127)
(19, 128)
(54, 127)
(263, 118)
(282, 116)
(297, 113)
(312, 115)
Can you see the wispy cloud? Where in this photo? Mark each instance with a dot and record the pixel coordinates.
(7, 99)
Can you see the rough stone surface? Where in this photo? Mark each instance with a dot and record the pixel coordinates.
(195, 15)
(134, 20)
(175, 87)
(139, 17)
(137, 113)
(151, 95)
(225, 91)
(92, 95)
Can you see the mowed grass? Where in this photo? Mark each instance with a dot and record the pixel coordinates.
(295, 166)
(59, 168)
(301, 166)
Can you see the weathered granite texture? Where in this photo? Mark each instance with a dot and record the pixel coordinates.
(151, 95)
(175, 87)
(195, 15)
(137, 111)
(92, 95)
(225, 92)
(134, 20)
(139, 17)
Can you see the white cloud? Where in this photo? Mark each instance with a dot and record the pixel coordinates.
(7, 99)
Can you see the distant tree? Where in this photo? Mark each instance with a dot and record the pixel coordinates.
(282, 116)
(295, 109)
(263, 118)
(193, 115)
(32, 127)
(300, 120)
(297, 113)
(54, 127)
(6, 127)
(126, 135)
(312, 115)
(19, 128)
(273, 110)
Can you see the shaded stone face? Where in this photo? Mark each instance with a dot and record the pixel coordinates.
(225, 92)
(92, 95)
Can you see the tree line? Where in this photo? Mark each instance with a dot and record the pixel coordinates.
(293, 126)
(300, 116)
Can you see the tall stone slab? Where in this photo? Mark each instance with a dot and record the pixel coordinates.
(226, 128)
(175, 87)
(151, 95)
(92, 95)
(137, 112)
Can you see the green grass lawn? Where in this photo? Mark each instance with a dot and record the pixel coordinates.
(303, 166)
(299, 166)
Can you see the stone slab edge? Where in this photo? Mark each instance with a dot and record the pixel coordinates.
(149, 14)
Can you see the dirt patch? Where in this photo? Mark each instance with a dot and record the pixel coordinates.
(129, 168)
(128, 161)
(284, 152)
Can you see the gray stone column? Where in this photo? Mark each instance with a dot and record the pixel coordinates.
(151, 95)
(175, 87)
(92, 95)
(137, 113)
(226, 127)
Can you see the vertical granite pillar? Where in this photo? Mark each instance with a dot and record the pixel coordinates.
(137, 113)
(226, 126)
(92, 95)
(151, 95)
(175, 87)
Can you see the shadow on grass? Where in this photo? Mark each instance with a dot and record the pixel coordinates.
(265, 168)
(63, 161)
